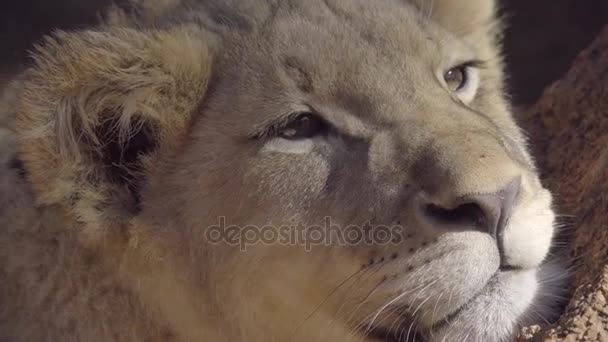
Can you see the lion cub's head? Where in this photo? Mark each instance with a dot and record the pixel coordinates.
(303, 170)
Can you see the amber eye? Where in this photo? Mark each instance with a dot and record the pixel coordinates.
(303, 126)
(456, 78)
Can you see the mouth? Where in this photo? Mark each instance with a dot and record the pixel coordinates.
(404, 327)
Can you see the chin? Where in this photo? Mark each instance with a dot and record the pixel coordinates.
(512, 299)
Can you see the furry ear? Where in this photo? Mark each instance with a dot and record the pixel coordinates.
(100, 111)
(470, 19)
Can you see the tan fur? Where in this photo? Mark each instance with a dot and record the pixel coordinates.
(138, 67)
(136, 137)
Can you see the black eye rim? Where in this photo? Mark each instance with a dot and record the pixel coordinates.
(277, 128)
(306, 125)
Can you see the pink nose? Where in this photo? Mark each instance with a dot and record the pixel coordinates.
(488, 213)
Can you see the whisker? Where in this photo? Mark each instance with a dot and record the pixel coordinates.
(409, 330)
(347, 291)
(335, 290)
(407, 292)
(540, 316)
(371, 323)
(363, 301)
(420, 291)
(435, 309)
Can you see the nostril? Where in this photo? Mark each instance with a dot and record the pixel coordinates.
(484, 212)
(464, 215)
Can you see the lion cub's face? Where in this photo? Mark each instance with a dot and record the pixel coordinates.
(360, 164)
(353, 165)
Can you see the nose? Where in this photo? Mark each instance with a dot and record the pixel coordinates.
(484, 212)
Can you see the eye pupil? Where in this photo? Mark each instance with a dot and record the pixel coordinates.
(456, 78)
(304, 126)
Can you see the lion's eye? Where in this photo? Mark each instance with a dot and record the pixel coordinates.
(303, 126)
(456, 78)
(463, 80)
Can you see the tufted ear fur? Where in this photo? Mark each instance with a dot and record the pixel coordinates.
(99, 112)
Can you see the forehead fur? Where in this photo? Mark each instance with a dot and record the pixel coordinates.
(363, 56)
(339, 38)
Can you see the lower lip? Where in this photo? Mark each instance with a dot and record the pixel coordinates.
(450, 317)
(393, 335)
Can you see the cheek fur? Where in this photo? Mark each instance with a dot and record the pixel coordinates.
(288, 179)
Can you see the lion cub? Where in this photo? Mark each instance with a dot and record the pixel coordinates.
(319, 170)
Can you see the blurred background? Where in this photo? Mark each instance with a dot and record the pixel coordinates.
(542, 38)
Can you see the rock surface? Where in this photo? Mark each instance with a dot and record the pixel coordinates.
(568, 128)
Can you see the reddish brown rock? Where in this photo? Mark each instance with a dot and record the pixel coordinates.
(568, 128)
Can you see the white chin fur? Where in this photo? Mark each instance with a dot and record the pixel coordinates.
(511, 300)
(494, 314)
